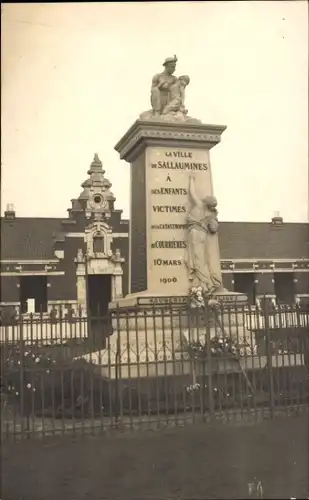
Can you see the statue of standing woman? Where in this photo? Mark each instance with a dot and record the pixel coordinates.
(202, 257)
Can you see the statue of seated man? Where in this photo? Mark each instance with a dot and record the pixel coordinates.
(176, 101)
(161, 84)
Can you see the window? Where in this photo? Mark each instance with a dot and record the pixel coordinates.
(98, 244)
(97, 199)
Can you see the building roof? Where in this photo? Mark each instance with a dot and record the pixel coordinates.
(263, 240)
(33, 238)
(28, 237)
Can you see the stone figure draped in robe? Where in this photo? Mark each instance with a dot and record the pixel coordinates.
(202, 256)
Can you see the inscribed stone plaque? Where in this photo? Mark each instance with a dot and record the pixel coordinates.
(167, 181)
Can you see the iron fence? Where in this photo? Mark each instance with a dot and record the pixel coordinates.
(152, 366)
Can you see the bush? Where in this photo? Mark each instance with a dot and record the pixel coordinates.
(38, 383)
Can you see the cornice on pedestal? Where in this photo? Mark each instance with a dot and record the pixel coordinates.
(147, 133)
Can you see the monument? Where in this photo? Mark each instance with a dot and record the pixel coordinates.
(173, 221)
(174, 225)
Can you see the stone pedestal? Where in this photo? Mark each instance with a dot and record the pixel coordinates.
(150, 332)
(230, 320)
(162, 155)
(148, 340)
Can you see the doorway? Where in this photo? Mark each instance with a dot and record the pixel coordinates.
(284, 288)
(244, 283)
(33, 287)
(99, 294)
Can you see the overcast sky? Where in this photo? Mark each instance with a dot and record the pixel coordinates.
(76, 76)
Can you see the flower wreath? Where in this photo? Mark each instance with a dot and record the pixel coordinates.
(196, 296)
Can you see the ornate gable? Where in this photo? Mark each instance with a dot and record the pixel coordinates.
(98, 238)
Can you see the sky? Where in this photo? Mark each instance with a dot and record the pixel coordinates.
(75, 77)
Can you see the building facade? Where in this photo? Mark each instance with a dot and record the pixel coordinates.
(82, 260)
(77, 261)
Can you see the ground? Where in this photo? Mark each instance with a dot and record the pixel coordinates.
(200, 461)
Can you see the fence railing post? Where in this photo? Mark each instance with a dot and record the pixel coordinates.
(118, 386)
(22, 375)
(268, 343)
(305, 345)
(208, 318)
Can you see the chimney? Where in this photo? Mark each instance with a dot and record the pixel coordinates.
(277, 220)
(10, 212)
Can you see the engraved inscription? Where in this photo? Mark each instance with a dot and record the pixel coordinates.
(168, 171)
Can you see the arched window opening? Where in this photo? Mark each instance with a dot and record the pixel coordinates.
(98, 244)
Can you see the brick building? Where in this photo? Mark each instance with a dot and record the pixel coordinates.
(43, 260)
